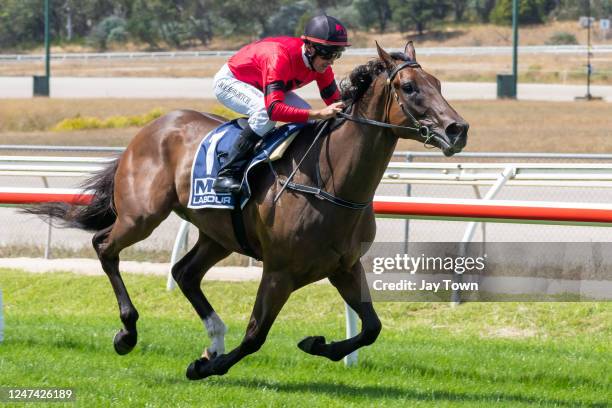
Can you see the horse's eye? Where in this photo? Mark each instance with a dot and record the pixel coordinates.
(408, 88)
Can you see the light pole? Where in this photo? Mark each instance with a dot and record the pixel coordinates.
(515, 12)
(507, 83)
(47, 42)
(41, 83)
(588, 96)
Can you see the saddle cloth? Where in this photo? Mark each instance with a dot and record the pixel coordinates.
(213, 152)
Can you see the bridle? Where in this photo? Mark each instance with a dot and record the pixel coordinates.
(423, 131)
(318, 191)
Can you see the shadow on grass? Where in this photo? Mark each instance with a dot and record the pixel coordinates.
(376, 392)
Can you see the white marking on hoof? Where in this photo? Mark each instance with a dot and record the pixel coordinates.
(216, 330)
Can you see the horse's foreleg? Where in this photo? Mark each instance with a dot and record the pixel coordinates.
(348, 284)
(188, 274)
(274, 290)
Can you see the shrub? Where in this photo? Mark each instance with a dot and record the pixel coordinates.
(117, 35)
(562, 38)
(87, 122)
(99, 36)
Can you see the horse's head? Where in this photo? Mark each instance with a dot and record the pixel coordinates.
(418, 102)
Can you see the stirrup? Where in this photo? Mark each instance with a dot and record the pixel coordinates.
(227, 184)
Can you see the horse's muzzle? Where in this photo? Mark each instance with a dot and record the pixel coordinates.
(455, 138)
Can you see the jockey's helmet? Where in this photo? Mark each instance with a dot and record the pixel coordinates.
(327, 35)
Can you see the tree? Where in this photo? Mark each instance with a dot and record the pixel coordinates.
(242, 17)
(287, 18)
(530, 12)
(415, 14)
(459, 7)
(21, 23)
(143, 25)
(374, 12)
(483, 9)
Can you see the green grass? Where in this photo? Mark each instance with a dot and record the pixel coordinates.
(59, 329)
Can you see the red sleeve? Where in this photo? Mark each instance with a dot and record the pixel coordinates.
(328, 87)
(276, 77)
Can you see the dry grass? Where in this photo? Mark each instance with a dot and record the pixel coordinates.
(42, 113)
(561, 127)
(503, 126)
(480, 35)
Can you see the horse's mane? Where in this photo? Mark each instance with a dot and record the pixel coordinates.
(360, 79)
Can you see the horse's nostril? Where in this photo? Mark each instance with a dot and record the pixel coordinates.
(456, 129)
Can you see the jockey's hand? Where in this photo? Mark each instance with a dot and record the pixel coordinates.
(327, 112)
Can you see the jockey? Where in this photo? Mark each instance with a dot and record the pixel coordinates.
(258, 82)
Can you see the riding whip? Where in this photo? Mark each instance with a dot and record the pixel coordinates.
(286, 183)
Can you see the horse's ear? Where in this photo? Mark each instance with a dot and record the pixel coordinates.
(409, 51)
(385, 57)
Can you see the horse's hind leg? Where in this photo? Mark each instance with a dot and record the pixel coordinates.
(273, 292)
(108, 243)
(188, 274)
(348, 284)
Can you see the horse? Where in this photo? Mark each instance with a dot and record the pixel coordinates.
(299, 237)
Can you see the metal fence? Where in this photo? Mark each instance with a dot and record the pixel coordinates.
(484, 50)
(453, 181)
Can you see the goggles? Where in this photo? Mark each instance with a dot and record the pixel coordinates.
(329, 53)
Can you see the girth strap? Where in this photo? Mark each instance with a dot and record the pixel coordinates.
(239, 228)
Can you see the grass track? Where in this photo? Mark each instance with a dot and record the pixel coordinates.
(59, 329)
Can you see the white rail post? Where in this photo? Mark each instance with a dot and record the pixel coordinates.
(49, 227)
(506, 175)
(483, 225)
(407, 221)
(351, 331)
(180, 237)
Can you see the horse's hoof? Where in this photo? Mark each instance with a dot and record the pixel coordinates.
(199, 369)
(312, 344)
(124, 342)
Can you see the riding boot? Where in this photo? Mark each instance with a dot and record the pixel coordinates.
(229, 177)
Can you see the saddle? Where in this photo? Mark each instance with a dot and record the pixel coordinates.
(279, 150)
(211, 155)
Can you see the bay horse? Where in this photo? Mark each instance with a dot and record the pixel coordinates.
(300, 238)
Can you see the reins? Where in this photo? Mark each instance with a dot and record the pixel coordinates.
(420, 129)
(318, 191)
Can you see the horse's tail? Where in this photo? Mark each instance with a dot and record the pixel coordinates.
(97, 215)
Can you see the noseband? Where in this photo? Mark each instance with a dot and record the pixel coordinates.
(420, 129)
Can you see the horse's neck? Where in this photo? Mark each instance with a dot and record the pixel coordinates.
(354, 158)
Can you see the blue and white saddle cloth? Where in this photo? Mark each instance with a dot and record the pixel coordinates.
(211, 155)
